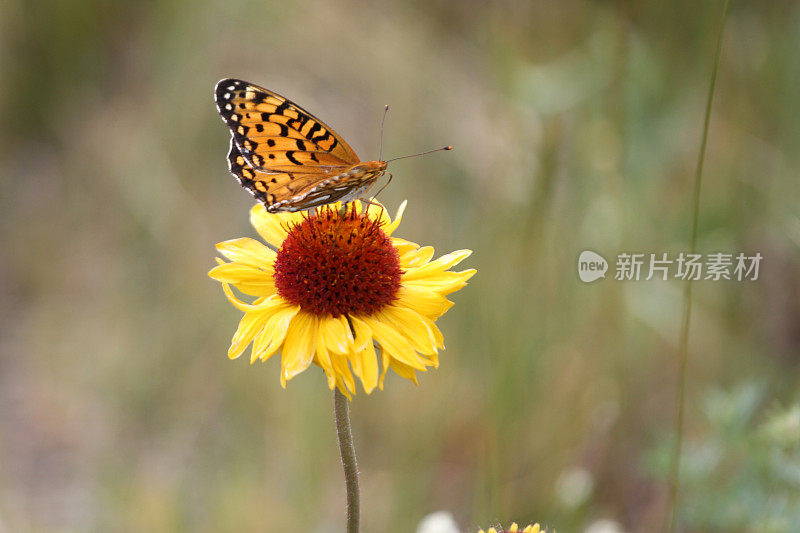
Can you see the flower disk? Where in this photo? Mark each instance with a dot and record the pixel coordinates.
(338, 264)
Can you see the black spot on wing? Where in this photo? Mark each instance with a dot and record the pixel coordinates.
(223, 95)
(300, 122)
(246, 176)
(323, 137)
(223, 91)
(290, 157)
(310, 135)
(259, 97)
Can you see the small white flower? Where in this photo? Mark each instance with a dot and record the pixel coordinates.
(604, 526)
(574, 486)
(438, 522)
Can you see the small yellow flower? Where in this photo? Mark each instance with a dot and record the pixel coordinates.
(534, 528)
(339, 292)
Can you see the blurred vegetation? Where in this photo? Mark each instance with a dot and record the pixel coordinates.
(744, 474)
(576, 126)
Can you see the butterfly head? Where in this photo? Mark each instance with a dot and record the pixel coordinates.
(374, 166)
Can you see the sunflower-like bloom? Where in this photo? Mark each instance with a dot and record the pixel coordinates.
(334, 288)
(533, 528)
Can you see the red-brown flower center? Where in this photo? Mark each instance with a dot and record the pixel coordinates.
(334, 264)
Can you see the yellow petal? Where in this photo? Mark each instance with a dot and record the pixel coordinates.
(264, 347)
(442, 282)
(433, 359)
(272, 335)
(248, 251)
(340, 384)
(250, 324)
(249, 289)
(258, 305)
(404, 371)
(355, 363)
(385, 364)
(365, 360)
(299, 345)
(322, 357)
(439, 265)
(271, 226)
(415, 329)
(438, 338)
(437, 335)
(238, 272)
(248, 279)
(363, 334)
(403, 246)
(422, 300)
(369, 368)
(394, 343)
(336, 334)
(342, 371)
(417, 257)
(397, 218)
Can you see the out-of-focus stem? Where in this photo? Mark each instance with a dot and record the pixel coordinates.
(675, 470)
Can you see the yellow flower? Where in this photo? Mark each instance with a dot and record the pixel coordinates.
(534, 528)
(334, 288)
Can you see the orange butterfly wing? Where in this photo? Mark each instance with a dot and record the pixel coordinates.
(285, 156)
(292, 190)
(262, 121)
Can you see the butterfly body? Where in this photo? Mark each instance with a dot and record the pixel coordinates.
(344, 187)
(285, 156)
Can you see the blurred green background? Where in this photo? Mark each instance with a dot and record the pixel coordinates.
(577, 126)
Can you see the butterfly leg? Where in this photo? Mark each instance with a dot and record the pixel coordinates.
(384, 186)
(365, 203)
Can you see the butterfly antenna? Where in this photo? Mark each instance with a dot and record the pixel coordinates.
(380, 150)
(419, 154)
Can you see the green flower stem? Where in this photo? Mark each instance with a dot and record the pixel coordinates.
(675, 470)
(341, 410)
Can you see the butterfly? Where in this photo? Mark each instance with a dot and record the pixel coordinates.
(286, 157)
